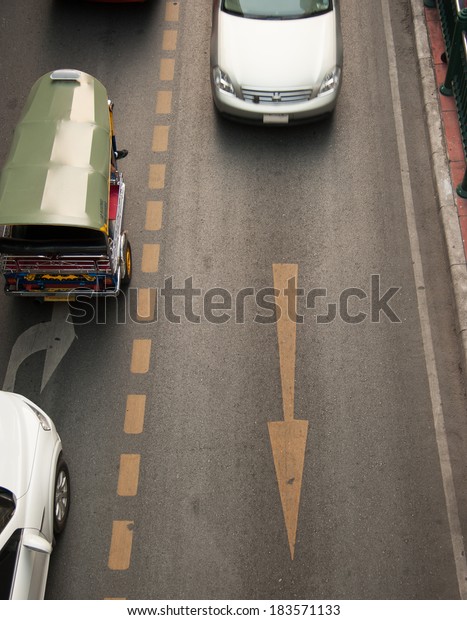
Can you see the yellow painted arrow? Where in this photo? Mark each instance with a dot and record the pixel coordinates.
(288, 437)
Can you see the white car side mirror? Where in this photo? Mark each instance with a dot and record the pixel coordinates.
(34, 542)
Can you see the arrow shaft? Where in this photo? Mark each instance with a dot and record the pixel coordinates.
(29, 342)
(62, 336)
(285, 281)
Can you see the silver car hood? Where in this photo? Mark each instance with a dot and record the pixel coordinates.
(277, 54)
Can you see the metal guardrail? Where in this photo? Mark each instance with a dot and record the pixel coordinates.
(448, 11)
(454, 26)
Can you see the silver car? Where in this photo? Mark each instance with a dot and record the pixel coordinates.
(276, 61)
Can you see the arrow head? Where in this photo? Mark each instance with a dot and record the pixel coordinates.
(288, 443)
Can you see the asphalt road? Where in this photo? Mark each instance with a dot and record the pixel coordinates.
(369, 519)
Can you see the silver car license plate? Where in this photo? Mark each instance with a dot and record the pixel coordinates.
(276, 118)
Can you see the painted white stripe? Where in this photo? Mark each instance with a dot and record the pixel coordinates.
(55, 337)
(72, 145)
(65, 191)
(430, 361)
(66, 185)
(83, 104)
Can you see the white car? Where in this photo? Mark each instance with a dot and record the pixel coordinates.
(276, 61)
(34, 496)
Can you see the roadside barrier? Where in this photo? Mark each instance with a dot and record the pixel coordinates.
(454, 26)
(448, 11)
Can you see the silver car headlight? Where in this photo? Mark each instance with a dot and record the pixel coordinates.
(222, 81)
(330, 82)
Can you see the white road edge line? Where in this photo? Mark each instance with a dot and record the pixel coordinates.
(437, 408)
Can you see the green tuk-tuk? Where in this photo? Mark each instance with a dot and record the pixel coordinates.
(62, 196)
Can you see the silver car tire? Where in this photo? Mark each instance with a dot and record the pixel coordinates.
(61, 496)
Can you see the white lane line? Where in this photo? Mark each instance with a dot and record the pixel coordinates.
(433, 381)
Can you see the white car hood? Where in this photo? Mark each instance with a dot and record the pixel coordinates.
(19, 428)
(277, 54)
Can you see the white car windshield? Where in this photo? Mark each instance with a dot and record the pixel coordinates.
(276, 9)
(7, 507)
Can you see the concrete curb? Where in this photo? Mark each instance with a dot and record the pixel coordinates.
(441, 175)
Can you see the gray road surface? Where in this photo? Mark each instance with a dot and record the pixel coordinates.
(207, 520)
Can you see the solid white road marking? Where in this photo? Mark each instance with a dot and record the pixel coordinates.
(55, 337)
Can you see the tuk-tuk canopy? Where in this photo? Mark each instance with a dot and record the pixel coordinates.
(57, 171)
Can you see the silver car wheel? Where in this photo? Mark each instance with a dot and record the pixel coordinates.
(61, 496)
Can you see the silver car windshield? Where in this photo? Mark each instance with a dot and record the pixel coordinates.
(276, 9)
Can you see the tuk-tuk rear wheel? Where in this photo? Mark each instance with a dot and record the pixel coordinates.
(127, 265)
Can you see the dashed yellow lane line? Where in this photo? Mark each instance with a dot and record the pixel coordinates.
(156, 176)
(172, 11)
(154, 215)
(120, 545)
(169, 40)
(128, 476)
(160, 138)
(129, 470)
(134, 415)
(146, 304)
(150, 262)
(164, 102)
(140, 356)
(167, 69)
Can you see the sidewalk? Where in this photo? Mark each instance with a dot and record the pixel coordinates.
(447, 155)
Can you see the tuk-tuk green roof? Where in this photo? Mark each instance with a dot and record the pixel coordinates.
(57, 171)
